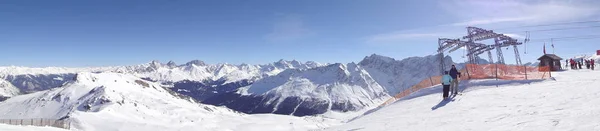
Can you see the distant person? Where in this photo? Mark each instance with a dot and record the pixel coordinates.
(455, 75)
(579, 64)
(446, 80)
(573, 66)
(587, 64)
(593, 63)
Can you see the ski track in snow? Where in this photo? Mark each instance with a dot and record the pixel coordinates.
(570, 102)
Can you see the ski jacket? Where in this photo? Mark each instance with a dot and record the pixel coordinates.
(446, 80)
(454, 73)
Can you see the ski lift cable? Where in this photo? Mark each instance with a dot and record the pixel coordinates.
(565, 38)
(555, 29)
(553, 24)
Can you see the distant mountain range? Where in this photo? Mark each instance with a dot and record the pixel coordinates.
(283, 87)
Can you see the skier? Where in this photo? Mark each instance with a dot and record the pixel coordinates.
(454, 85)
(446, 80)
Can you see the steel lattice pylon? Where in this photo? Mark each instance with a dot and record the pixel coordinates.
(474, 49)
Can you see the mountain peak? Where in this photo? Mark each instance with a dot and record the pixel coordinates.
(196, 62)
(155, 62)
(375, 57)
(171, 64)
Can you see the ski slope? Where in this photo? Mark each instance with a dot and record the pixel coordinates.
(569, 102)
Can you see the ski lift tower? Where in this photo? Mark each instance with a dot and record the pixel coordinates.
(475, 49)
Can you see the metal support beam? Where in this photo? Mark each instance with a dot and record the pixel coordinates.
(500, 55)
(518, 57)
(491, 60)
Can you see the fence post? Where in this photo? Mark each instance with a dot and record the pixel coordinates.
(496, 72)
(468, 74)
(550, 72)
(431, 81)
(525, 71)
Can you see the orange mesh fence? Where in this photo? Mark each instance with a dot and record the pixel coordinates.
(506, 72)
(486, 71)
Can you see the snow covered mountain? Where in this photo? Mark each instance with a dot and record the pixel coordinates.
(283, 87)
(111, 101)
(336, 87)
(29, 83)
(29, 80)
(532, 64)
(197, 70)
(7, 90)
(397, 75)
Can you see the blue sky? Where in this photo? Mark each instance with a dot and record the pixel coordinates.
(116, 32)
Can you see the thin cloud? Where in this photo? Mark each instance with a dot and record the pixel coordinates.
(427, 33)
(401, 36)
(483, 12)
(288, 28)
(490, 21)
(516, 36)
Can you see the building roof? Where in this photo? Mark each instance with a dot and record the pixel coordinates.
(551, 56)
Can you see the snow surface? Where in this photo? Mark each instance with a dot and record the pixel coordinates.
(113, 101)
(4, 127)
(7, 89)
(569, 101)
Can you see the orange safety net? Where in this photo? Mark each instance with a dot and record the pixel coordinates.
(485, 71)
(506, 72)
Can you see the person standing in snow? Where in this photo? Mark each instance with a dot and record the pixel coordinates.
(454, 85)
(592, 63)
(446, 80)
(587, 64)
(571, 63)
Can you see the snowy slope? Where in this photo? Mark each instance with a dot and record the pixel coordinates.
(397, 75)
(7, 89)
(336, 87)
(570, 102)
(4, 127)
(111, 101)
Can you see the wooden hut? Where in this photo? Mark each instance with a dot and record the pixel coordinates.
(550, 60)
